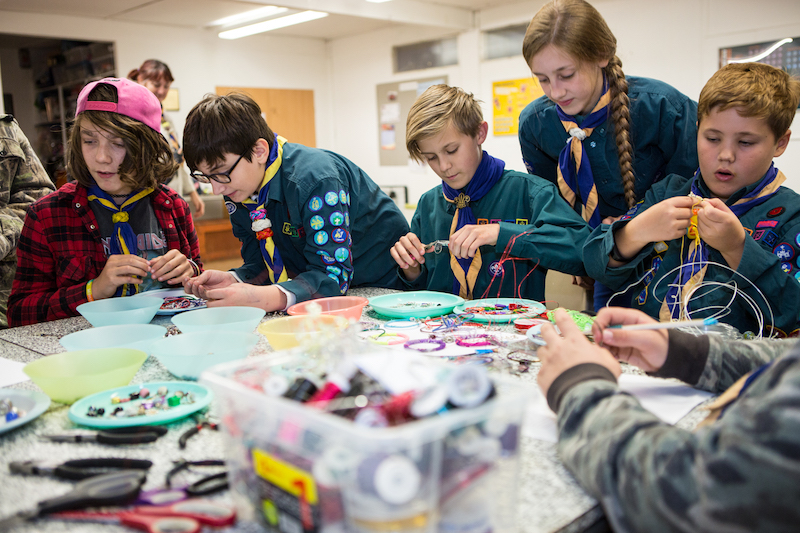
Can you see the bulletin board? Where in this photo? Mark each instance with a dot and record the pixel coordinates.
(509, 98)
(394, 102)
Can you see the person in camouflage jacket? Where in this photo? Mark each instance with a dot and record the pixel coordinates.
(740, 472)
(23, 180)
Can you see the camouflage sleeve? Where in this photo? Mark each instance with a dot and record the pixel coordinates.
(728, 361)
(740, 473)
(23, 180)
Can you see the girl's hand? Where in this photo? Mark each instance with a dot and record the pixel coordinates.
(646, 349)
(465, 242)
(208, 280)
(119, 270)
(172, 267)
(721, 229)
(409, 254)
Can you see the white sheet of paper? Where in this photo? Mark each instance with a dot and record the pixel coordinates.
(11, 372)
(668, 400)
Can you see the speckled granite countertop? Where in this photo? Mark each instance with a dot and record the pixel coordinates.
(549, 498)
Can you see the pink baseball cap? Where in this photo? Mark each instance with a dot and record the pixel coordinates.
(133, 100)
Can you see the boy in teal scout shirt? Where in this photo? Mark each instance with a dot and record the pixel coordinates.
(311, 223)
(505, 228)
(734, 212)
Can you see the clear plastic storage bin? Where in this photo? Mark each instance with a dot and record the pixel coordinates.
(295, 468)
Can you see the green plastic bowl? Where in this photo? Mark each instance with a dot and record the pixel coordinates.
(69, 376)
(136, 336)
(120, 311)
(220, 319)
(188, 354)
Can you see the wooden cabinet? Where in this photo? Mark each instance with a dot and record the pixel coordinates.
(216, 239)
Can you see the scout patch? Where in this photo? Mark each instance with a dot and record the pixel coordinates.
(343, 196)
(482, 221)
(321, 238)
(334, 270)
(495, 268)
(290, 230)
(770, 237)
(774, 212)
(766, 223)
(317, 222)
(784, 251)
(336, 218)
(339, 235)
(326, 257)
(342, 254)
(331, 198)
(231, 207)
(786, 267)
(315, 204)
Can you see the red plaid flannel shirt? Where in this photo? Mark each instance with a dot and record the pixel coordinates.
(60, 251)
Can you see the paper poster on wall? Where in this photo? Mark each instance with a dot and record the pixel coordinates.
(394, 101)
(172, 101)
(509, 98)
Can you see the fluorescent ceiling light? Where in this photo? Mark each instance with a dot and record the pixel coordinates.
(247, 16)
(272, 24)
(763, 54)
(378, 1)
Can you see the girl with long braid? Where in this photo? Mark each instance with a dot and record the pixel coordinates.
(601, 137)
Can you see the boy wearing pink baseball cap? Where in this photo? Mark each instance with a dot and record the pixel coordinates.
(114, 231)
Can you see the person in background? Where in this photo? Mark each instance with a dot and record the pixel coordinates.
(725, 241)
(311, 223)
(23, 180)
(156, 76)
(483, 209)
(739, 471)
(626, 132)
(114, 231)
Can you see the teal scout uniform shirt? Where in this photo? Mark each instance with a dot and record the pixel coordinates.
(740, 473)
(519, 203)
(23, 180)
(770, 261)
(663, 134)
(333, 226)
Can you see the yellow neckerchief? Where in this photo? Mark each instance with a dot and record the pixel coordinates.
(466, 280)
(277, 272)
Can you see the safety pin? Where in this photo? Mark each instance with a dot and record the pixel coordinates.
(436, 246)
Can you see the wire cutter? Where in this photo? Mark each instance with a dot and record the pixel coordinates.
(77, 469)
(203, 421)
(125, 435)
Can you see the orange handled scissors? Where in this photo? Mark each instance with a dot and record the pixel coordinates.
(183, 517)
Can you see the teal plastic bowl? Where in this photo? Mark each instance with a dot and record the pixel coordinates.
(120, 311)
(135, 336)
(188, 354)
(220, 319)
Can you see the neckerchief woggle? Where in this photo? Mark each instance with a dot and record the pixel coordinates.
(693, 271)
(123, 238)
(489, 172)
(573, 175)
(261, 225)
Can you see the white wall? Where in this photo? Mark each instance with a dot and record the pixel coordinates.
(199, 60)
(675, 41)
(18, 81)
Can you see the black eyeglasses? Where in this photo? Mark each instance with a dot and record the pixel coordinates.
(220, 177)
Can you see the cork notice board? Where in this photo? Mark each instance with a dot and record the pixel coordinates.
(394, 102)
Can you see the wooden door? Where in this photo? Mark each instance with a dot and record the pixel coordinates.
(289, 112)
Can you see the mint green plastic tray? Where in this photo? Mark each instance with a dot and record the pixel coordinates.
(410, 304)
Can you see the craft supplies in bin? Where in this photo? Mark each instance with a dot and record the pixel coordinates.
(380, 443)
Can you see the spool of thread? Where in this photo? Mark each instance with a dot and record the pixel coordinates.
(301, 390)
(468, 386)
(394, 479)
(431, 401)
(275, 385)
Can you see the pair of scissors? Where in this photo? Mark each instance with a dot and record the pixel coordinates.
(183, 517)
(125, 435)
(436, 246)
(77, 469)
(202, 487)
(116, 488)
(203, 421)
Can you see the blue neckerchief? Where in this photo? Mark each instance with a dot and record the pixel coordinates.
(575, 173)
(488, 173)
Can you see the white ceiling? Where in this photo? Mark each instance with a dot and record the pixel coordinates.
(347, 17)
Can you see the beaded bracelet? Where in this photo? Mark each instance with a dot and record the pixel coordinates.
(425, 345)
(389, 338)
(475, 340)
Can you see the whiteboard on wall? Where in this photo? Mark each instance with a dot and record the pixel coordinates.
(394, 102)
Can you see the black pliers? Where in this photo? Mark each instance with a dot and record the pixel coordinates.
(79, 468)
(125, 435)
(203, 421)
